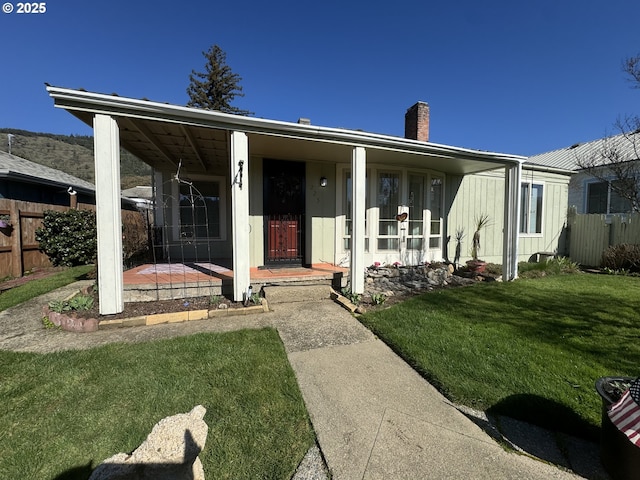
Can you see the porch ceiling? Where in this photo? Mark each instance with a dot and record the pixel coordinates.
(163, 135)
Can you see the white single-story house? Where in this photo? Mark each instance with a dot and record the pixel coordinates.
(296, 194)
(587, 193)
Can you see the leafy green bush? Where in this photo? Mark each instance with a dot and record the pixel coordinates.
(378, 298)
(493, 269)
(79, 302)
(622, 257)
(555, 266)
(351, 296)
(69, 238)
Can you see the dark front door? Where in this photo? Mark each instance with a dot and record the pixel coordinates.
(284, 193)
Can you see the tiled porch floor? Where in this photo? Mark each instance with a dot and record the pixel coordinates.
(209, 273)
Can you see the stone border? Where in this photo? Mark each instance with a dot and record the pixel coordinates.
(72, 323)
(343, 301)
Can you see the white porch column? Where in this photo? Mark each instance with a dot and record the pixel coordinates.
(358, 181)
(512, 180)
(240, 213)
(106, 138)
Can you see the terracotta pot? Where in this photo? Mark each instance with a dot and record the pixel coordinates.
(476, 266)
(620, 457)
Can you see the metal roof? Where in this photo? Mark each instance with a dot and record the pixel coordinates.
(13, 167)
(164, 135)
(566, 158)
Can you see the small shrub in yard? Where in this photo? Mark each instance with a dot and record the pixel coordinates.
(493, 269)
(622, 257)
(216, 300)
(79, 302)
(69, 238)
(353, 297)
(555, 266)
(378, 298)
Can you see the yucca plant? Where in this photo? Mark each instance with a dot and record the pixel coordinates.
(480, 222)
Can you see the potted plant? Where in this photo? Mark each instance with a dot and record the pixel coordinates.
(475, 265)
(619, 456)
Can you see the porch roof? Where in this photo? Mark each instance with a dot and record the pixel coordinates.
(162, 135)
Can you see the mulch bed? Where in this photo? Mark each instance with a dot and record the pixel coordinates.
(140, 309)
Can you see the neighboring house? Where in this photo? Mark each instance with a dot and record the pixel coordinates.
(264, 193)
(141, 195)
(587, 193)
(21, 179)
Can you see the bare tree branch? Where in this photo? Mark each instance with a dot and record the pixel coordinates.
(616, 162)
(631, 66)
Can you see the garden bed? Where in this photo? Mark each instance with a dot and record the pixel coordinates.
(149, 313)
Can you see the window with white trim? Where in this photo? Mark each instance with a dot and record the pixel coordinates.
(435, 206)
(388, 199)
(347, 210)
(417, 207)
(531, 208)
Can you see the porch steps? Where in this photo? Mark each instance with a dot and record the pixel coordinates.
(292, 293)
(153, 292)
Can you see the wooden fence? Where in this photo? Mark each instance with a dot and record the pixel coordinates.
(19, 249)
(590, 235)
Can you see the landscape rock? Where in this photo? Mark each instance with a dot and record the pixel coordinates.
(71, 322)
(409, 279)
(170, 452)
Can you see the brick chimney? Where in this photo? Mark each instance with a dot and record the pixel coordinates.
(416, 122)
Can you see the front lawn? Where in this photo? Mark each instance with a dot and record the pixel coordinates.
(64, 413)
(34, 288)
(530, 349)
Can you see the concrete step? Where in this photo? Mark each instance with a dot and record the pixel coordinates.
(292, 293)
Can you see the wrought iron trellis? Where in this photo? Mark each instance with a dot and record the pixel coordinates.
(181, 240)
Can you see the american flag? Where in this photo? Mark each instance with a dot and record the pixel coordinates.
(625, 413)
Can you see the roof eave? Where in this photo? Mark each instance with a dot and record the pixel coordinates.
(11, 175)
(88, 102)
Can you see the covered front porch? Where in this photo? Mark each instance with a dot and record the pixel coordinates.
(233, 155)
(166, 281)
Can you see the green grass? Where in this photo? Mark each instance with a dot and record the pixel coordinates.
(64, 413)
(531, 349)
(34, 288)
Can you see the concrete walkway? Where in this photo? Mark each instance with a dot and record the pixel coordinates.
(374, 416)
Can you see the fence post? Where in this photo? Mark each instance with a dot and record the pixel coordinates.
(16, 240)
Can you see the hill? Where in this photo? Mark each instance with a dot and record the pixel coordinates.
(72, 154)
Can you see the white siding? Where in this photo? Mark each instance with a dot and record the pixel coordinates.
(483, 193)
(320, 228)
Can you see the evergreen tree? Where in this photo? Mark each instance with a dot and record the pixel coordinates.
(217, 86)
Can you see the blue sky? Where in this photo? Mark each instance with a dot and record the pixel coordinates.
(506, 76)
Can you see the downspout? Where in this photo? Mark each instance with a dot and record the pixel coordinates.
(513, 179)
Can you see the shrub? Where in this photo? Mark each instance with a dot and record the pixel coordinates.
(77, 303)
(135, 241)
(351, 296)
(622, 257)
(69, 238)
(555, 266)
(378, 298)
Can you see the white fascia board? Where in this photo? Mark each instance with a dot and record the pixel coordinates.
(26, 178)
(542, 168)
(81, 101)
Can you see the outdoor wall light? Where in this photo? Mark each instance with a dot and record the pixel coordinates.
(323, 181)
